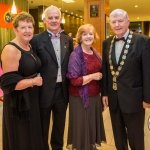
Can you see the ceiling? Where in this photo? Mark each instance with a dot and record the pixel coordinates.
(142, 11)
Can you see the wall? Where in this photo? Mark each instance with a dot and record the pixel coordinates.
(146, 28)
(99, 22)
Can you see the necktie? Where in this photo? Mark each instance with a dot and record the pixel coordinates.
(53, 36)
(117, 39)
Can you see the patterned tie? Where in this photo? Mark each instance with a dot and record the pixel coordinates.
(54, 36)
(117, 39)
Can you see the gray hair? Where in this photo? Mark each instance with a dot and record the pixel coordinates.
(119, 12)
(51, 8)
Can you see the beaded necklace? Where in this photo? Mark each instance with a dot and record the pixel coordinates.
(115, 74)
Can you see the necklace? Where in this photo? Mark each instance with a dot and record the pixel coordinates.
(115, 74)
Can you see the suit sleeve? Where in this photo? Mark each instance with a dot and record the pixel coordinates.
(146, 71)
(71, 44)
(34, 44)
(104, 70)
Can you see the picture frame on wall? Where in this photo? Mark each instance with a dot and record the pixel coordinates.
(93, 11)
(107, 27)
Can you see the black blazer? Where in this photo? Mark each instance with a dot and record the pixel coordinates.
(134, 79)
(63, 32)
(43, 47)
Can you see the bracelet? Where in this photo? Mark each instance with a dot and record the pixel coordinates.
(32, 82)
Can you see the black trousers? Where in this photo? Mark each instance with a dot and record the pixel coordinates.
(58, 108)
(128, 127)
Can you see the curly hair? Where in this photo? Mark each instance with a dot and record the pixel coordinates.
(23, 16)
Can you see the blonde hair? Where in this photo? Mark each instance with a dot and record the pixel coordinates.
(85, 28)
(23, 16)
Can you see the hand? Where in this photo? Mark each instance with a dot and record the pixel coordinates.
(37, 81)
(105, 101)
(96, 76)
(146, 105)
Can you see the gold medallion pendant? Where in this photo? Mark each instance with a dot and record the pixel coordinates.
(114, 86)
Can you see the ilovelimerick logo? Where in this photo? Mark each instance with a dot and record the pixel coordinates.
(148, 122)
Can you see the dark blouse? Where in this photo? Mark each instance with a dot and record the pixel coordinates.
(93, 65)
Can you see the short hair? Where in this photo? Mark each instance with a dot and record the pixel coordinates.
(62, 26)
(23, 16)
(119, 12)
(50, 8)
(85, 28)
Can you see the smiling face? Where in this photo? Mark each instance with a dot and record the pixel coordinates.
(87, 38)
(52, 20)
(24, 31)
(119, 25)
(86, 35)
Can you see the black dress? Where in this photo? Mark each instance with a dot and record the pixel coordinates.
(17, 134)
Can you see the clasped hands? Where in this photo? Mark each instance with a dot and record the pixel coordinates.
(96, 76)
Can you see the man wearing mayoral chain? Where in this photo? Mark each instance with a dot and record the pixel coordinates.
(126, 81)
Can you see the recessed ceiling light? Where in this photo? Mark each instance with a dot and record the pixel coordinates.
(138, 17)
(136, 5)
(68, 1)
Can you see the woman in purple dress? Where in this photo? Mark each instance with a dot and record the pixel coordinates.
(86, 129)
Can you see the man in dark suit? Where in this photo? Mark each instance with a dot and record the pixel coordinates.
(126, 81)
(53, 50)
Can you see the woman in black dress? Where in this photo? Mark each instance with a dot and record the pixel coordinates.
(19, 82)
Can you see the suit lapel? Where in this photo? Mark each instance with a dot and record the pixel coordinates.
(49, 46)
(131, 44)
(113, 54)
(122, 52)
(63, 46)
(129, 50)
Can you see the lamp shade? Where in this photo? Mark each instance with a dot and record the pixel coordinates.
(14, 9)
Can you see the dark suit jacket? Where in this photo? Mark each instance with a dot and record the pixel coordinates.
(63, 32)
(42, 45)
(134, 79)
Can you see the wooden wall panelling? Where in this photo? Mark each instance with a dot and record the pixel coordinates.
(97, 22)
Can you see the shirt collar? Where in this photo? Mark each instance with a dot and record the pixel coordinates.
(49, 32)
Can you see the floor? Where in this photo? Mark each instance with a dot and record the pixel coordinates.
(108, 130)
